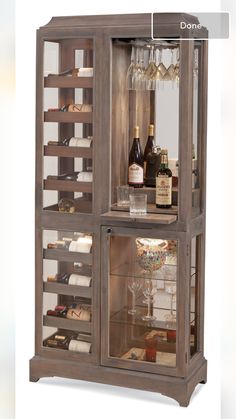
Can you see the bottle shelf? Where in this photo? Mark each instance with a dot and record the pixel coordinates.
(67, 185)
(70, 117)
(68, 81)
(64, 289)
(82, 206)
(67, 324)
(63, 151)
(66, 256)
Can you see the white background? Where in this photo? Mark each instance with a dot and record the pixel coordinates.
(63, 398)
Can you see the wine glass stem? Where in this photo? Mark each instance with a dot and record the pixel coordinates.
(133, 300)
(149, 307)
(171, 306)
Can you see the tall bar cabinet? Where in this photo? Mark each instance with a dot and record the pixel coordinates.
(120, 344)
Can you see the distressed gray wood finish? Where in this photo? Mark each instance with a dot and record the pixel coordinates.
(110, 127)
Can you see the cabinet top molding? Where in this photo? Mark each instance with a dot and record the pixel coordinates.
(121, 20)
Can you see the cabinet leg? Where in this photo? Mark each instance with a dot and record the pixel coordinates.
(34, 379)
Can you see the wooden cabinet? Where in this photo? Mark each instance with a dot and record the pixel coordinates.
(112, 267)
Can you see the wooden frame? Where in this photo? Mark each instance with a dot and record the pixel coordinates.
(94, 35)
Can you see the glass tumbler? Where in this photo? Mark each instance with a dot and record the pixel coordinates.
(138, 204)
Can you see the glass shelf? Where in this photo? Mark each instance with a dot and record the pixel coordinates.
(123, 317)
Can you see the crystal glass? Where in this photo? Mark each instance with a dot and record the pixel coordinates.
(131, 72)
(138, 204)
(123, 193)
(139, 79)
(134, 285)
(149, 290)
(170, 288)
(150, 71)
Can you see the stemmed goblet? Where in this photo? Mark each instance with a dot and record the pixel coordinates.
(151, 257)
(134, 285)
(149, 290)
(131, 72)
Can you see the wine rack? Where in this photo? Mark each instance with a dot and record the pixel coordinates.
(129, 309)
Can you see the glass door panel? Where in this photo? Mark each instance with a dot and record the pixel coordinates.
(142, 287)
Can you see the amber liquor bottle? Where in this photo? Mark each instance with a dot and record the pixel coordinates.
(164, 183)
(149, 146)
(135, 175)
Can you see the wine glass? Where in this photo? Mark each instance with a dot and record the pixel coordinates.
(130, 72)
(150, 71)
(134, 285)
(177, 67)
(170, 72)
(170, 288)
(139, 80)
(149, 290)
(151, 256)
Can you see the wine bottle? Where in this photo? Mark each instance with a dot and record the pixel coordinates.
(149, 146)
(135, 176)
(153, 165)
(65, 176)
(164, 183)
(61, 278)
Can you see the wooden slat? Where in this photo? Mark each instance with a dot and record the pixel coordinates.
(66, 256)
(68, 81)
(70, 117)
(64, 289)
(149, 218)
(67, 185)
(63, 151)
(60, 323)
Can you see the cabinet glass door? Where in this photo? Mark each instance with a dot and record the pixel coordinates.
(140, 301)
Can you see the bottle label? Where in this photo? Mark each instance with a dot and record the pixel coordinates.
(163, 190)
(135, 173)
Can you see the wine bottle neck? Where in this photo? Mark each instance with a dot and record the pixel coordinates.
(164, 161)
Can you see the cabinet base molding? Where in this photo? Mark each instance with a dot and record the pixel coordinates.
(177, 388)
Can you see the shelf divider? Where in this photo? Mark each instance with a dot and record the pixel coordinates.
(70, 117)
(64, 289)
(68, 81)
(66, 256)
(67, 185)
(64, 151)
(67, 324)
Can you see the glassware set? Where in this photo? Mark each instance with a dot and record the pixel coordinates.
(153, 65)
(151, 256)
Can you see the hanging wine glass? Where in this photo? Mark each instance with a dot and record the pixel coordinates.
(170, 73)
(134, 285)
(150, 71)
(140, 72)
(131, 71)
(177, 72)
(195, 68)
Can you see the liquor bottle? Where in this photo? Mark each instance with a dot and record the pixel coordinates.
(153, 165)
(135, 177)
(164, 183)
(149, 146)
